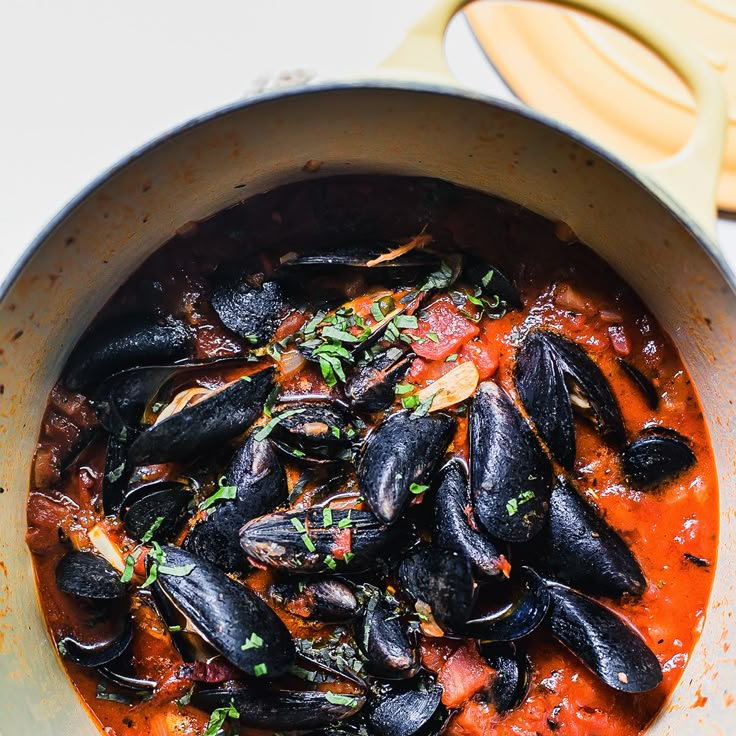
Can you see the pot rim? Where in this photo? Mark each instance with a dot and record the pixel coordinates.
(676, 208)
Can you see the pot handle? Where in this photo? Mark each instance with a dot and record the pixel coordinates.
(690, 177)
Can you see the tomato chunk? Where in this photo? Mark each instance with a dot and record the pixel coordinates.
(436, 652)
(463, 675)
(484, 357)
(450, 328)
(475, 719)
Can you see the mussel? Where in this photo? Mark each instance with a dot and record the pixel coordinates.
(401, 452)
(581, 549)
(98, 653)
(407, 710)
(367, 255)
(372, 385)
(552, 375)
(383, 640)
(491, 282)
(204, 425)
(443, 581)
(602, 641)
(525, 611)
(116, 475)
(659, 454)
(226, 614)
(88, 575)
(123, 343)
(260, 485)
(455, 527)
(248, 308)
(316, 540)
(513, 675)
(281, 710)
(156, 509)
(326, 599)
(510, 476)
(644, 384)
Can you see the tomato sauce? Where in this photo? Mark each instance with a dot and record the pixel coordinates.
(672, 531)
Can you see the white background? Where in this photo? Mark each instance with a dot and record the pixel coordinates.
(83, 82)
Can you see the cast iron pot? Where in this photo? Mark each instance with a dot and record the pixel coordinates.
(654, 227)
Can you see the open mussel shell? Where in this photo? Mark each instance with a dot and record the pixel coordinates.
(99, 653)
(644, 384)
(550, 372)
(251, 310)
(525, 611)
(368, 255)
(602, 641)
(326, 599)
(225, 613)
(372, 386)
(510, 476)
(116, 475)
(513, 675)
(657, 456)
(260, 480)
(120, 672)
(123, 343)
(159, 507)
(492, 282)
(452, 524)
(281, 710)
(205, 425)
(405, 711)
(304, 541)
(443, 580)
(88, 575)
(582, 550)
(316, 431)
(402, 450)
(383, 640)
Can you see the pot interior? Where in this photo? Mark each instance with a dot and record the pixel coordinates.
(108, 233)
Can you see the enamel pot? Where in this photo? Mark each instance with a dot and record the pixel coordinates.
(654, 226)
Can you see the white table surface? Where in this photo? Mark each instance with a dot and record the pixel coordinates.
(84, 82)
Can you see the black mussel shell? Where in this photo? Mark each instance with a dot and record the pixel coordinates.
(249, 310)
(656, 457)
(510, 476)
(225, 613)
(602, 641)
(452, 526)
(530, 601)
(492, 282)
(259, 477)
(363, 256)
(281, 710)
(443, 580)
(404, 449)
(120, 672)
(405, 711)
(205, 425)
(326, 599)
(549, 368)
(382, 638)
(160, 507)
(99, 653)
(116, 475)
(513, 675)
(88, 575)
(581, 549)
(310, 541)
(372, 386)
(124, 343)
(122, 399)
(643, 383)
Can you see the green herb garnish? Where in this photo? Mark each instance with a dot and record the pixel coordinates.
(267, 428)
(260, 669)
(223, 493)
(253, 642)
(218, 718)
(417, 488)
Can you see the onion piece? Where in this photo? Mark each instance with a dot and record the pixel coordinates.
(106, 547)
(455, 386)
(290, 363)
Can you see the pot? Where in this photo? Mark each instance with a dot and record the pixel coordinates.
(654, 226)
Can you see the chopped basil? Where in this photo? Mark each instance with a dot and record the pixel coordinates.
(512, 506)
(333, 333)
(116, 473)
(451, 358)
(308, 543)
(330, 562)
(409, 402)
(148, 536)
(403, 388)
(406, 322)
(327, 517)
(487, 278)
(297, 524)
(339, 699)
(127, 575)
(313, 323)
(223, 493)
(346, 522)
(433, 336)
(423, 408)
(376, 312)
(260, 669)
(267, 428)
(347, 557)
(218, 718)
(253, 642)
(175, 629)
(417, 488)
(335, 432)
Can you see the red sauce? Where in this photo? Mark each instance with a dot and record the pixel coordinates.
(566, 288)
